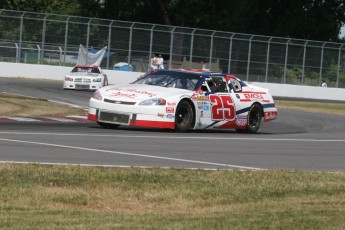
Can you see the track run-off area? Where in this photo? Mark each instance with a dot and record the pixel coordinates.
(295, 141)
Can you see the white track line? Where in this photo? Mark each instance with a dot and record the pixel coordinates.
(21, 118)
(131, 154)
(61, 119)
(42, 119)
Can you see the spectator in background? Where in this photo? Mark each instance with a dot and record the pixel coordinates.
(160, 61)
(154, 62)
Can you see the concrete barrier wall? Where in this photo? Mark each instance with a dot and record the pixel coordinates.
(123, 77)
(305, 92)
(58, 72)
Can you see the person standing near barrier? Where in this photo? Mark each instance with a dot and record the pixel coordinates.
(154, 62)
(160, 61)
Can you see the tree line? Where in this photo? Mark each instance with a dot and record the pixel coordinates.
(301, 19)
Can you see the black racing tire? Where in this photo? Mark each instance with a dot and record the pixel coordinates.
(183, 117)
(254, 119)
(108, 125)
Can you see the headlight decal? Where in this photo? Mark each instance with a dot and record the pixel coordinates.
(154, 101)
(97, 80)
(68, 79)
(97, 95)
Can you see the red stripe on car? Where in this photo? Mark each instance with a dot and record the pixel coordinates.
(92, 117)
(154, 124)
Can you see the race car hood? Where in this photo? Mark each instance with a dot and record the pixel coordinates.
(133, 92)
(257, 88)
(81, 74)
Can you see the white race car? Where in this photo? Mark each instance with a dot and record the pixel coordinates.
(183, 99)
(85, 77)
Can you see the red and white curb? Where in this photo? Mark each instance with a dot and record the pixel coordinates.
(46, 119)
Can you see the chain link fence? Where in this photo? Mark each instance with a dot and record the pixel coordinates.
(28, 37)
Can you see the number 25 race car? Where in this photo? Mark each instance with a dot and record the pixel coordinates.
(183, 99)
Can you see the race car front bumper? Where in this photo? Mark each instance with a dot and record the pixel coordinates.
(82, 86)
(130, 115)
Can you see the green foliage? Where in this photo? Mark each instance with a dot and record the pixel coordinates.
(68, 7)
(305, 19)
(311, 77)
(316, 20)
(293, 75)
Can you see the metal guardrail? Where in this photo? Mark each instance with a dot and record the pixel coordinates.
(28, 37)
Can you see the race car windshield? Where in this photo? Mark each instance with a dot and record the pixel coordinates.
(170, 80)
(85, 70)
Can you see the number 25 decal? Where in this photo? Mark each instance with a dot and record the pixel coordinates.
(223, 108)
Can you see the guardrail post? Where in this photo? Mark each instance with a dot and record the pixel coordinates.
(109, 44)
(43, 38)
(211, 50)
(65, 43)
(191, 49)
(230, 53)
(39, 54)
(338, 72)
(60, 56)
(249, 53)
(151, 44)
(303, 66)
(171, 45)
(20, 37)
(286, 60)
(268, 57)
(321, 63)
(17, 52)
(88, 40)
(130, 45)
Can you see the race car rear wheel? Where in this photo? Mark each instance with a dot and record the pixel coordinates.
(254, 118)
(108, 125)
(183, 116)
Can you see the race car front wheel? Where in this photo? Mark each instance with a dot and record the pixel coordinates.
(254, 118)
(183, 117)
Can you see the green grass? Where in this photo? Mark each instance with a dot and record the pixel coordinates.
(313, 106)
(75, 197)
(17, 105)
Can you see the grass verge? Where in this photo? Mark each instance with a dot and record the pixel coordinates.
(74, 197)
(15, 105)
(313, 106)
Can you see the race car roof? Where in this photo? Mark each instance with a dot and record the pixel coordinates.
(196, 71)
(86, 66)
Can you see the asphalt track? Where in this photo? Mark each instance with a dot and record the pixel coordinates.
(295, 141)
